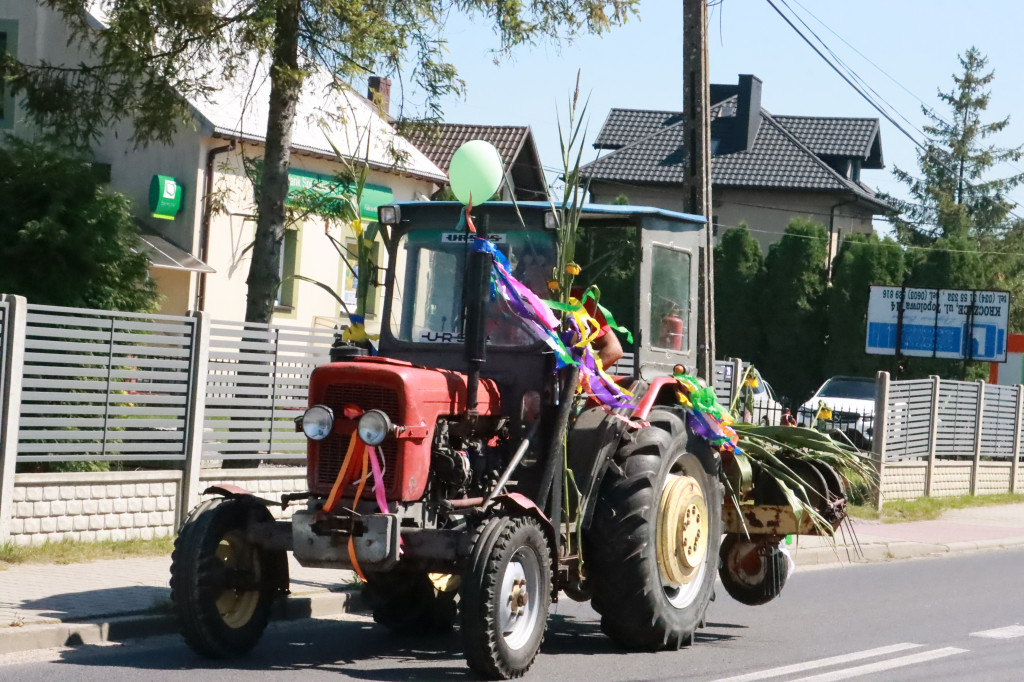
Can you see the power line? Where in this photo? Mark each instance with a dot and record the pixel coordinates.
(875, 105)
(850, 70)
(927, 107)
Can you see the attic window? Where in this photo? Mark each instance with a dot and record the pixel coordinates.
(855, 170)
(714, 145)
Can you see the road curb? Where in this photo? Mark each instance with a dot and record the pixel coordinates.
(878, 552)
(134, 626)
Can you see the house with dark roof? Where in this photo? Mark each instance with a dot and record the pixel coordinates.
(515, 144)
(196, 202)
(765, 169)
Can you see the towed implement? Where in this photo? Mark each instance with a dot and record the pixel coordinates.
(463, 473)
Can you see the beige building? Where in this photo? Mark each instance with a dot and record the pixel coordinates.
(195, 202)
(765, 169)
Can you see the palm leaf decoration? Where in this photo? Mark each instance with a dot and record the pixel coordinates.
(774, 449)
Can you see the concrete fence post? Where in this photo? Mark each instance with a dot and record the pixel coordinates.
(13, 356)
(1017, 425)
(881, 427)
(977, 436)
(199, 362)
(933, 431)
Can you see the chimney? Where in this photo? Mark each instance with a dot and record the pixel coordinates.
(748, 111)
(379, 92)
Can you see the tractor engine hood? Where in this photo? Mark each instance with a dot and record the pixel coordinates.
(413, 397)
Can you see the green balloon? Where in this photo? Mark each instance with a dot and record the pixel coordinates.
(476, 171)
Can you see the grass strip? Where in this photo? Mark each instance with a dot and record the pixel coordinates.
(929, 508)
(78, 551)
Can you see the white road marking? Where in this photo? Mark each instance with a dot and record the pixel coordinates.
(1001, 633)
(821, 663)
(901, 662)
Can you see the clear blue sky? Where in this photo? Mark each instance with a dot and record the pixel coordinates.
(639, 66)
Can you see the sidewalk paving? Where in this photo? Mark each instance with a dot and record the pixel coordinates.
(45, 606)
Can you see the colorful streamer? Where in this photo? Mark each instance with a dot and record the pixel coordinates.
(705, 416)
(571, 345)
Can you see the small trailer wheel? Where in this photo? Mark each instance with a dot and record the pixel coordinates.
(752, 572)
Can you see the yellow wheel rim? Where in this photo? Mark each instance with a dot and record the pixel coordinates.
(682, 540)
(236, 607)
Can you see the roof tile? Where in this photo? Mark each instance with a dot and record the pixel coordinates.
(439, 141)
(827, 136)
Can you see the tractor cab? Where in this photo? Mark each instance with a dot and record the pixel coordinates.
(643, 261)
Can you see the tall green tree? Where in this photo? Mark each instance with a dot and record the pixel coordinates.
(79, 238)
(863, 260)
(152, 57)
(739, 264)
(953, 195)
(791, 310)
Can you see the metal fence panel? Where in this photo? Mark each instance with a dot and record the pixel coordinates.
(102, 385)
(908, 421)
(997, 421)
(724, 380)
(256, 386)
(958, 411)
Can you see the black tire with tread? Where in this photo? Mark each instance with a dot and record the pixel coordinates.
(497, 541)
(621, 557)
(754, 593)
(197, 578)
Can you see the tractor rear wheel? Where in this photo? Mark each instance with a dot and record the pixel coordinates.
(653, 544)
(222, 585)
(505, 597)
(409, 603)
(752, 572)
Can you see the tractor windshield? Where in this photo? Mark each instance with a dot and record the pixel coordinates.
(428, 305)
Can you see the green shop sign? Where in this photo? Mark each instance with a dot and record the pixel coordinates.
(302, 183)
(165, 194)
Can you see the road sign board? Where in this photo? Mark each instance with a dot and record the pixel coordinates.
(938, 323)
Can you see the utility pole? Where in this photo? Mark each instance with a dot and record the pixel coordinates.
(697, 183)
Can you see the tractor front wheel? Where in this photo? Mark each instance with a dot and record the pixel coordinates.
(653, 544)
(222, 585)
(505, 597)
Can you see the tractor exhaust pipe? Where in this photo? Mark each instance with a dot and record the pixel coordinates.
(476, 291)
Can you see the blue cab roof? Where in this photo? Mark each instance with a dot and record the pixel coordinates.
(591, 209)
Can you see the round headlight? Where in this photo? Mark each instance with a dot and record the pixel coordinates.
(318, 422)
(374, 426)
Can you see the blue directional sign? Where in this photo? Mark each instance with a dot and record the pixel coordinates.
(938, 323)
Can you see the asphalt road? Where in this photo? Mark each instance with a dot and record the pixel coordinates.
(951, 618)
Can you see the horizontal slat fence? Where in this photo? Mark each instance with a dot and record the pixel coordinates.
(908, 421)
(256, 386)
(998, 421)
(972, 446)
(101, 385)
(958, 414)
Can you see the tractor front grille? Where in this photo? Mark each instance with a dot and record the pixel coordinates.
(333, 448)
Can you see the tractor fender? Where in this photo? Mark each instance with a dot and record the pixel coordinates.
(654, 395)
(521, 503)
(226, 490)
(594, 438)
(231, 492)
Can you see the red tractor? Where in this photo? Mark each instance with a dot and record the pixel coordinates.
(457, 468)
